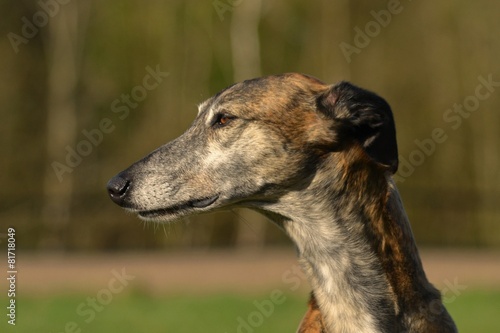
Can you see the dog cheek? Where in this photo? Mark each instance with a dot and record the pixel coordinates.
(325, 137)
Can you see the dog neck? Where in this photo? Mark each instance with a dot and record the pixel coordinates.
(356, 246)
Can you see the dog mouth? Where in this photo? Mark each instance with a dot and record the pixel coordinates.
(178, 210)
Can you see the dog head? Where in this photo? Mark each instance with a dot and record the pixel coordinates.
(252, 142)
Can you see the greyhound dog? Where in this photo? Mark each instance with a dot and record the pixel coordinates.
(318, 161)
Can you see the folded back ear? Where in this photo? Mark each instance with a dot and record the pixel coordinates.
(366, 117)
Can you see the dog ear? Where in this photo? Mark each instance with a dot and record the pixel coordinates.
(364, 116)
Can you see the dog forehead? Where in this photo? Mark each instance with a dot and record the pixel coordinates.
(264, 93)
(283, 85)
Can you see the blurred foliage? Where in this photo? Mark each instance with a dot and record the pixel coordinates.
(423, 57)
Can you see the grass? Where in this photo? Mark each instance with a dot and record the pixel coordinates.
(474, 311)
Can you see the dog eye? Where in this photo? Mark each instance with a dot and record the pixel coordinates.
(222, 120)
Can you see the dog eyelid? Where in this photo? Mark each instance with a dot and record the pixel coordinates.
(222, 119)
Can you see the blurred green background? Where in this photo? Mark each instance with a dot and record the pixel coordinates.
(476, 313)
(79, 103)
(66, 67)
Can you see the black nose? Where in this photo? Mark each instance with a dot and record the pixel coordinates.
(117, 189)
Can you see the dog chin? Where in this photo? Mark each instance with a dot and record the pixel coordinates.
(160, 217)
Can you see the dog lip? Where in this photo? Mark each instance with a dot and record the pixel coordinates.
(173, 210)
(203, 203)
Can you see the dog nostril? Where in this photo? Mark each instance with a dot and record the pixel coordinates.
(117, 189)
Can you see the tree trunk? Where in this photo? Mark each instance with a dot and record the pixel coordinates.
(63, 34)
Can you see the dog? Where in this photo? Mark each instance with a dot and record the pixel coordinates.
(318, 161)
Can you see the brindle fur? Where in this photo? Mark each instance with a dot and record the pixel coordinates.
(317, 160)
